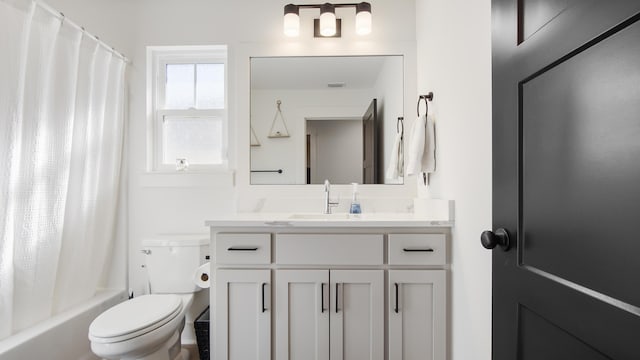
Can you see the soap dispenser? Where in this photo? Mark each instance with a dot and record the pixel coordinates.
(355, 202)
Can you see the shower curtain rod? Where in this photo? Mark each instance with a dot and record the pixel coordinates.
(63, 18)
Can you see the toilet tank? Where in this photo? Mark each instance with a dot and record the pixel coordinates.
(171, 261)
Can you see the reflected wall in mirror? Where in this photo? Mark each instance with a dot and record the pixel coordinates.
(340, 112)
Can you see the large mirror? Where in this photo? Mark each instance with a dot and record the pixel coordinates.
(325, 117)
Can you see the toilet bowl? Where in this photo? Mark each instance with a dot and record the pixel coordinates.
(149, 327)
(146, 327)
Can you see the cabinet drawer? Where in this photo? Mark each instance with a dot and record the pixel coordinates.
(243, 248)
(329, 249)
(417, 249)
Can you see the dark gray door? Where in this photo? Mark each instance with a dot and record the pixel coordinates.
(369, 143)
(566, 179)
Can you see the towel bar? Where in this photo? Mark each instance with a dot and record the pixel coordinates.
(279, 171)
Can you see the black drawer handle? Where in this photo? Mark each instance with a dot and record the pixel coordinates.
(242, 249)
(264, 308)
(322, 297)
(336, 298)
(417, 250)
(396, 308)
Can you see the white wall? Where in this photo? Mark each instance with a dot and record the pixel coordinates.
(454, 53)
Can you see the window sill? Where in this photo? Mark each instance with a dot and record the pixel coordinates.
(195, 178)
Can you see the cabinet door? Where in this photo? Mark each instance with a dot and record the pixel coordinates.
(302, 314)
(357, 315)
(417, 314)
(243, 315)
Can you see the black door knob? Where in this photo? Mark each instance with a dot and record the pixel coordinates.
(489, 239)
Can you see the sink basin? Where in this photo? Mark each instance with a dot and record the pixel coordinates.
(338, 216)
(344, 216)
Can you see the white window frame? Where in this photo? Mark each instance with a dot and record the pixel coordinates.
(158, 57)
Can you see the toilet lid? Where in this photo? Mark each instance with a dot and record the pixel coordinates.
(140, 313)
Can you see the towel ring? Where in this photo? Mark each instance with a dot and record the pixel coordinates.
(426, 98)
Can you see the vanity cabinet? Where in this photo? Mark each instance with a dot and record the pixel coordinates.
(356, 324)
(302, 314)
(329, 249)
(337, 293)
(241, 299)
(329, 314)
(242, 314)
(417, 320)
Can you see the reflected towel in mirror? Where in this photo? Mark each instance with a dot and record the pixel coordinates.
(395, 169)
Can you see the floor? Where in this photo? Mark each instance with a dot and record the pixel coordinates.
(193, 351)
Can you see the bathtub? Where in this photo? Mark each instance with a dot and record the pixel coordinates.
(64, 336)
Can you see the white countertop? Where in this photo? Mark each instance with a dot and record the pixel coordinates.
(305, 220)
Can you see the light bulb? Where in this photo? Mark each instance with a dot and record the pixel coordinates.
(363, 18)
(291, 20)
(327, 20)
(291, 25)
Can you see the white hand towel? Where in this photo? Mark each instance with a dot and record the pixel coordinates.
(396, 162)
(416, 145)
(422, 147)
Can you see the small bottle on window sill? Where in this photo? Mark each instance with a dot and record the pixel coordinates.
(182, 165)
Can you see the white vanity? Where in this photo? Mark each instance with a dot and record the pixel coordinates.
(312, 286)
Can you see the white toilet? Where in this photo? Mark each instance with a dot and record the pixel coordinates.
(148, 327)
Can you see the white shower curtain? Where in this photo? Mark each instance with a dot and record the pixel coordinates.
(61, 138)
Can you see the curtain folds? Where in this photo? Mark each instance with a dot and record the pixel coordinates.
(61, 138)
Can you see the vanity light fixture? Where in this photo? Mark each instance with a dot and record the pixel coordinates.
(327, 25)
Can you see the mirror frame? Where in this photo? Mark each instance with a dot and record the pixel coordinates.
(240, 134)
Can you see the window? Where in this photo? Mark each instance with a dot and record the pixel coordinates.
(189, 115)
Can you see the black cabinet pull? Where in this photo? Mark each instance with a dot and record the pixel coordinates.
(242, 249)
(417, 250)
(396, 308)
(321, 297)
(264, 308)
(336, 298)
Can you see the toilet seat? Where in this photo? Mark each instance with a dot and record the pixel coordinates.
(134, 318)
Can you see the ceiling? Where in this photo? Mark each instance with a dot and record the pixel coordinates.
(306, 73)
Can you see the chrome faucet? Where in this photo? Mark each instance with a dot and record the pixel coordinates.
(328, 204)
